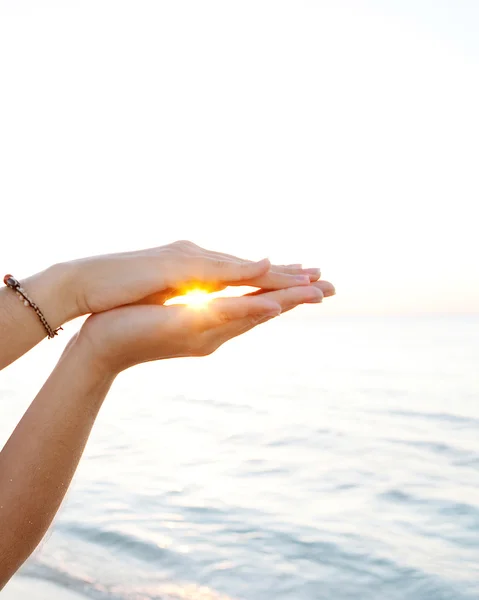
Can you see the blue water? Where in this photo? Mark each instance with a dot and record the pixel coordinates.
(321, 458)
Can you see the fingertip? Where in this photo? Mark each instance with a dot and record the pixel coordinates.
(241, 307)
(314, 274)
(327, 288)
(330, 292)
(263, 264)
(316, 298)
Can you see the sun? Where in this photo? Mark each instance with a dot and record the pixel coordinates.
(197, 299)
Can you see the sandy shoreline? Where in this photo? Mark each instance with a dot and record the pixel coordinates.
(30, 588)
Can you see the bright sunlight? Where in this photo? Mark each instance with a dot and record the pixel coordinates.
(198, 298)
(195, 298)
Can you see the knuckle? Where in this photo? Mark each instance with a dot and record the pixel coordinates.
(283, 295)
(204, 350)
(254, 320)
(246, 265)
(287, 299)
(223, 317)
(167, 250)
(182, 245)
(220, 264)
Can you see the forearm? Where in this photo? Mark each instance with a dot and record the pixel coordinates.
(53, 290)
(40, 458)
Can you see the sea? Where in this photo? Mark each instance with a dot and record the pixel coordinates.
(313, 458)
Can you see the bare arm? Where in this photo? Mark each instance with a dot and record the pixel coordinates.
(20, 328)
(40, 458)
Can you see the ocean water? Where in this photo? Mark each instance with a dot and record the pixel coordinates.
(314, 458)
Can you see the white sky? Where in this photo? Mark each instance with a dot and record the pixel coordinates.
(344, 134)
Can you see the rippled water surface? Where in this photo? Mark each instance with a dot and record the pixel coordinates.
(327, 458)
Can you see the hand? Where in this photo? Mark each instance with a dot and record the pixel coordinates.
(105, 282)
(129, 335)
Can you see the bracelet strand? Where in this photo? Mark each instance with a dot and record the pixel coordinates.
(14, 284)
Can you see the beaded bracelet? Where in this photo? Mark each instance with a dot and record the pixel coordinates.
(13, 284)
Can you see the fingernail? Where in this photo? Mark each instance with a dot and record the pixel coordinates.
(302, 278)
(314, 271)
(329, 293)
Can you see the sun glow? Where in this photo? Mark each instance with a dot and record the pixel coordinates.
(195, 298)
(199, 299)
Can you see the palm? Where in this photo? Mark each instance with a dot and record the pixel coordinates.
(142, 333)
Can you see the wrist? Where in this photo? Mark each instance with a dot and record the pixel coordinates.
(83, 353)
(65, 276)
(94, 343)
(53, 292)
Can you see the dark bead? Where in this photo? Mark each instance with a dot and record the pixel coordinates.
(10, 281)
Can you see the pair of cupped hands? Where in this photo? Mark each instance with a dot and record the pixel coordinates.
(126, 294)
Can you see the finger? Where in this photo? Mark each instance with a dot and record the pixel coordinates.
(218, 270)
(291, 297)
(225, 310)
(292, 269)
(161, 297)
(209, 287)
(314, 273)
(326, 288)
(292, 301)
(287, 299)
(273, 280)
(256, 274)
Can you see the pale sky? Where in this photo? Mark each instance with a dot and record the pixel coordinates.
(342, 134)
